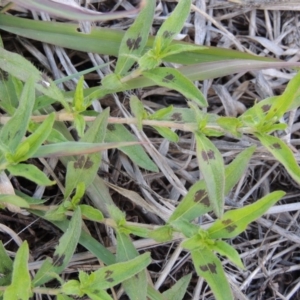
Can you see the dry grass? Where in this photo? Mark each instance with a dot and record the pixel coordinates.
(270, 246)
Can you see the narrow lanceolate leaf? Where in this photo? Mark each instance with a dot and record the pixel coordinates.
(78, 100)
(85, 167)
(99, 295)
(196, 203)
(178, 290)
(112, 275)
(20, 287)
(21, 68)
(136, 286)
(137, 109)
(91, 213)
(31, 173)
(173, 79)
(282, 153)
(71, 10)
(282, 103)
(209, 267)
(13, 199)
(135, 39)
(236, 221)
(63, 253)
(14, 130)
(6, 267)
(171, 26)
(118, 133)
(154, 294)
(225, 249)
(212, 169)
(28, 147)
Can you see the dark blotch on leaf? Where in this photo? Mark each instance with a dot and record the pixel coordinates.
(176, 117)
(227, 222)
(276, 146)
(109, 280)
(201, 197)
(231, 228)
(167, 34)
(266, 107)
(58, 260)
(111, 127)
(168, 78)
(209, 267)
(228, 225)
(82, 163)
(134, 44)
(108, 273)
(208, 155)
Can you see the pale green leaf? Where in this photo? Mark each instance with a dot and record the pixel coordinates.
(30, 172)
(137, 110)
(167, 133)
(99, 295)
(72, 287)
(282, 153)
(63, 252)
(14, 130)
(135, 39)
(172, 26)
(79, 124)
(91, 213)
(153, 294)
(6, 267)
(210, 268)
(173, 79)
(118, 133)
(85, 167)
(236, 221)
(212, 169)
(20, 288)
(112, 275)
(136, 286)
(178, 290)
(78, 100)
(29, 147)
(225, 249)
(162, 234)
(15, 200)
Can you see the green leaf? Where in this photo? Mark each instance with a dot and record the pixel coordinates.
(21, 68)
(14, 130)
(209, 267)
(282, 153)
(179, 48)
(172, 26)
(79, 123)
(78, 100)
(178, 290)
(162, 234)
(162, 113)
(135, 39)
(173, 79)
(236, 221)
(6, 267)
(20, 288)
(117, 215)
(9, 93)
(72, 287)
(29, 147)
(137, 110)
(167, 133)
(282, 103)
(63, 297)
(230, 125)
(85, 167)
(185, 227)
(91, 213)
(118, 133)
(30, 172)
(99, 295)
(225, 249)
(63, 252)
(112, 275)
(196, 203)
(153, 294)
(212, 169)
(15, 200)
(136, 286)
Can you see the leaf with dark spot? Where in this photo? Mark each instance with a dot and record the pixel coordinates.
(211, 154)
(109, 280)
(231, 228)
(79, 163)
(266, 107)
(58, 260)
(169, 78)
(176, 117)
(227, 222)
(211, 267)
(167, 34)
(111, 127)
(108, 273)
(134, 44)
(276, 146)
(201, 197)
